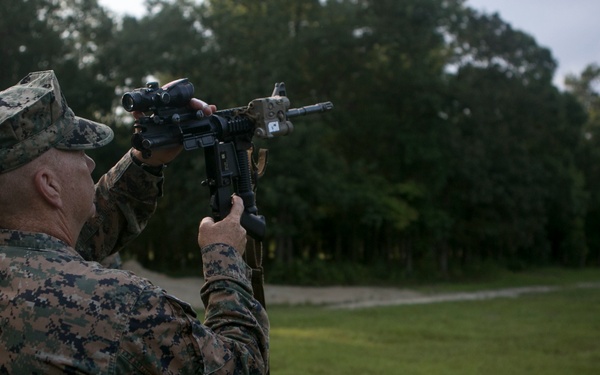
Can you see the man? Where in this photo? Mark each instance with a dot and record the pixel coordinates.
(61, 313)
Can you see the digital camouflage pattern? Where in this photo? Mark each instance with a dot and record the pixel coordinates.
(61, 314)
(34, 117)
(126, 198)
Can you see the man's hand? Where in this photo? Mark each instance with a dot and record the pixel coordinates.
(228, 231)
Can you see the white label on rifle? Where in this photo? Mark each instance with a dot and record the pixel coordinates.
(274, 126)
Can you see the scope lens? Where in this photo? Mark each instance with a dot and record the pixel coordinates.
(128, 102)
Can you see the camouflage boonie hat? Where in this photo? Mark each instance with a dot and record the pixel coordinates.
(34, 117)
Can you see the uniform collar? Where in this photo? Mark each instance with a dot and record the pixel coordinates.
(34, 241)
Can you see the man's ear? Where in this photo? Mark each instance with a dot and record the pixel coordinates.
(48, 186)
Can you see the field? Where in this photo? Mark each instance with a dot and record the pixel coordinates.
(546, 333)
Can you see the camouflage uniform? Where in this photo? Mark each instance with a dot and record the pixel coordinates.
(61, 313)
(119, 217)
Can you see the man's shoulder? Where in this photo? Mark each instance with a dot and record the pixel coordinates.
(67, 274)
(59, 276)
(56, 302)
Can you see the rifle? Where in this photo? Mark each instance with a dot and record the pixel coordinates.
(225, 136)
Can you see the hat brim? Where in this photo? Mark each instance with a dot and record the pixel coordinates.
(86, 135)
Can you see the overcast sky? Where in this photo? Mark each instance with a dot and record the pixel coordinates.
(569, 28)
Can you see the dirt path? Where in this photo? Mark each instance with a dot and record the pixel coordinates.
(188, 289)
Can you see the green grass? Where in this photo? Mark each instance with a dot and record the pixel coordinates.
(496, 278)
(551, 333)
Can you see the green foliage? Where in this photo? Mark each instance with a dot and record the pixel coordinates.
(448, 147)
(585, 89)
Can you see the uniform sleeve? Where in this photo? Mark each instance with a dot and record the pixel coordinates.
(164, 335)
(126, 198)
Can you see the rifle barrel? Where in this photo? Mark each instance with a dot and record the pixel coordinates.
(310, 109)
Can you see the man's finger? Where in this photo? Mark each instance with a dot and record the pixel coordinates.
(237, 209)
(207, 221)
(207, 109)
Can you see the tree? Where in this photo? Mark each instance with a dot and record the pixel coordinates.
(521, 195)
(448, 145)
(585, 88)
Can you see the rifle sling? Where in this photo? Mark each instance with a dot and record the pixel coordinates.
(253, 257)
(254, 249)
